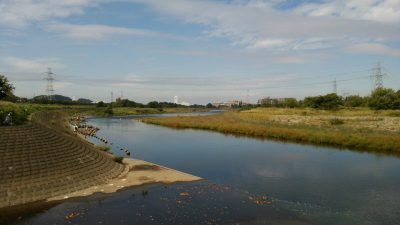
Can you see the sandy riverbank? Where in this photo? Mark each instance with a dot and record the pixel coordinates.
(137, 172)
(45, 160)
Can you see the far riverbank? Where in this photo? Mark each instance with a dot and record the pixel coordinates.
(356, 129)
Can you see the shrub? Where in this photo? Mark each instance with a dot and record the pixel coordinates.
(103, 148)
(18, 115)
(354, 101)
(291, 103)
(118, 159)
(101, 104)
(109, 111)
(329, 101)
(384, 98)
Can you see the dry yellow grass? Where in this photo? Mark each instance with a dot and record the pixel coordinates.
(362, 129)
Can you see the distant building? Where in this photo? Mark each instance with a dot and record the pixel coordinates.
(184, 103)
(229, 104)
(176, 101)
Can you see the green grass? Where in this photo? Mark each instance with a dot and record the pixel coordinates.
(124, 111)
(309, 126)
(21, 111)
(119, 159)
(336, 121)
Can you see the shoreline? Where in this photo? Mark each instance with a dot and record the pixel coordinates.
(137, 173)
(133, 172)
(127, 179)
(233, 124)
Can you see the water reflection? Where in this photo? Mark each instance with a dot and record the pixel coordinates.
(194, 203)
(301, 184)
(325, 184)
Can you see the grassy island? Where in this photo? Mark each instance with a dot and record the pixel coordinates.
(358, 129)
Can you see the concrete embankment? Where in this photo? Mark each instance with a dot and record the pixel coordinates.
(38, 162)
(45, 160)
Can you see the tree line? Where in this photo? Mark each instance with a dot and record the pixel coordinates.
(153, 104)
(380, 98)
(7, 94)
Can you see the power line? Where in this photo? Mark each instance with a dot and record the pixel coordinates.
(335, 86)
(315, 83)
(343, 73)
(112, 97)
(322, 83)
(247, 96)
(49, 86)
(378, 74)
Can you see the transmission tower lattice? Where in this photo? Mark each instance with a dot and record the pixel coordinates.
(49, 87)
(377, 75)
(248, 96)
(335, 86)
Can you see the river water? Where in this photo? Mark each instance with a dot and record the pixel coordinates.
(246, 181)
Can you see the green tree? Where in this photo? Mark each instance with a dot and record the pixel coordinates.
(6, 89)
(101, 104)
(109, 111)
(209, 106)
(397, 101)
(354, 101)
(126, 103)
(154, 104)
(291, 103)
(384, 98)
(329, 101)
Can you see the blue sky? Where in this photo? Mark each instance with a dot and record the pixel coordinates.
(202, 51)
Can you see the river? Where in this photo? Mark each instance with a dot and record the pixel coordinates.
(246, 181)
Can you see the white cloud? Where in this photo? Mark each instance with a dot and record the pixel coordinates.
(37, 65)
(290, 59)
(300, 58)
(96, 32)
(252, 24)
(255, 25)
(200, 83)
(18, 13)
(387, 11)
(269, 43)
(374, 48)
(60, 85)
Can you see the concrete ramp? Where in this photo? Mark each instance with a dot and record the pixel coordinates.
(37, 163)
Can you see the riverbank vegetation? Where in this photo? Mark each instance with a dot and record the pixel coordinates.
(21, 111)
(380, 99)
(355, 128)
(15, 110)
